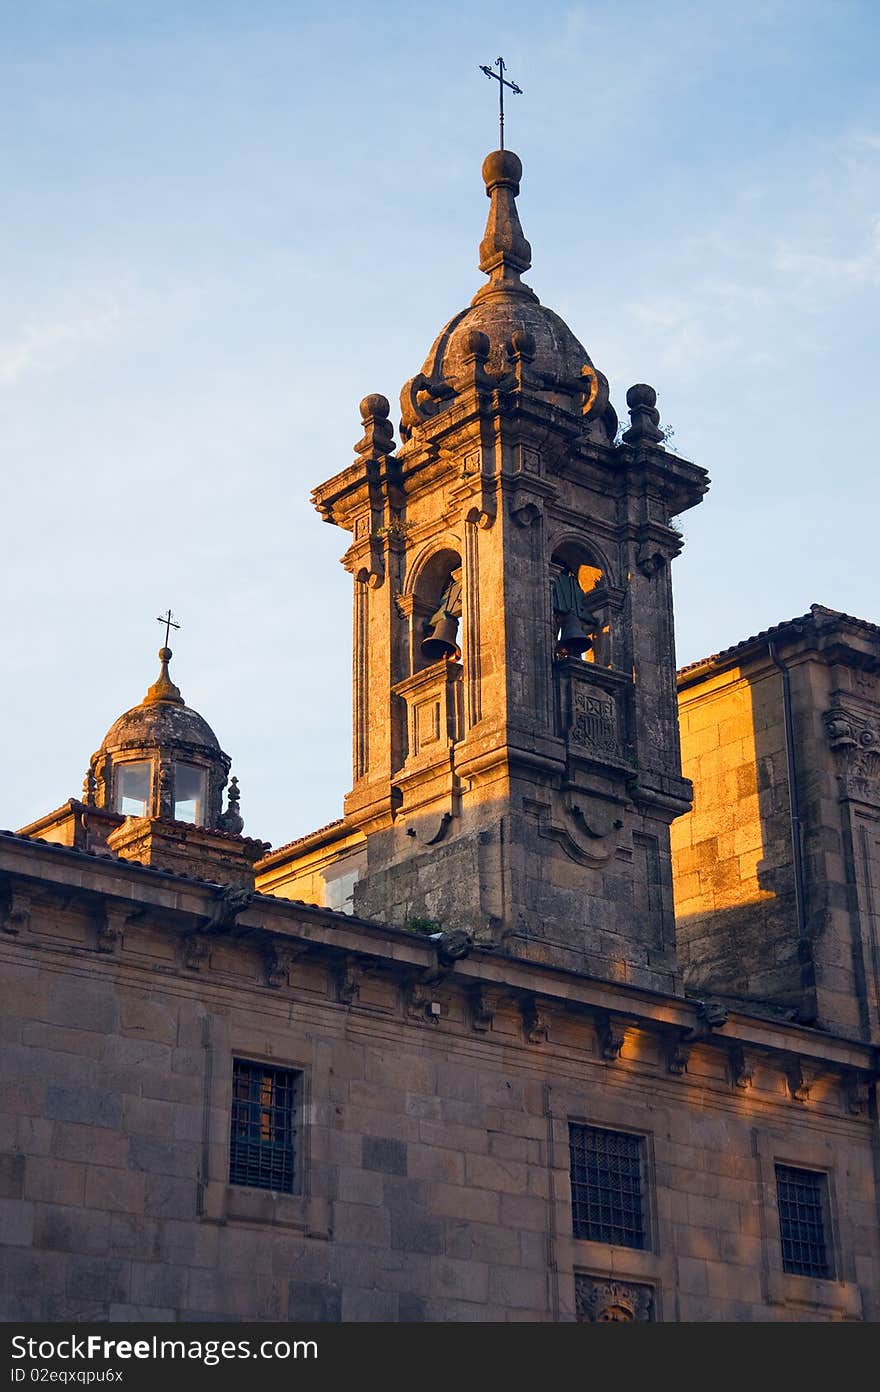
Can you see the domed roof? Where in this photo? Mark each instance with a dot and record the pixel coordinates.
(161, 724)
(556, 350)
(163, 719)
(506, 325)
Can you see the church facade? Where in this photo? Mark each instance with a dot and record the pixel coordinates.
(571, 1016)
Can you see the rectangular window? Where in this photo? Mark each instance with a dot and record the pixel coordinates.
(802, 1199)
(262, 1134)
(189, 794)
(606, 1186)
(133, 789)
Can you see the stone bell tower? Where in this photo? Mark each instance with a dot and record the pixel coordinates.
(516, 756)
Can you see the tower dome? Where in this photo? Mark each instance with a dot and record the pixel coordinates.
(506, 328)
(162, 759)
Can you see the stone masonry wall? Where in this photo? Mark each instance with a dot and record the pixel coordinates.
(434, 1144)
(731, 855)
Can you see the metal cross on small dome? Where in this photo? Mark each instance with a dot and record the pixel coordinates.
(168, 621)
(502, 83)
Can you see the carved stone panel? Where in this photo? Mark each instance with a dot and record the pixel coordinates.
(594, 721)
(600, 1301)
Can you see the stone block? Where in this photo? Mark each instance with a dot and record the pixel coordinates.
(177, 1158)
(460, 1201)
(158, 1284)
(385, 1154)
(16, 1223)
(414, 1231)
(146, 1018)
(147, 1116)
(120, 1191)
(313, 1303)
(133, 1235)
(167, 1197)
(54, 1181)
(61, 1228)
(360, 1223)
(93, 1278)
(501, 1176)
(429, 1162)
(79, 1005)
(360, 1187)
(524, 1211)
(464, 1280)
(11, 1176)
(71, 1141)
(518, 1289)
(482, 1242)
(88, 1106)
(369, 1306)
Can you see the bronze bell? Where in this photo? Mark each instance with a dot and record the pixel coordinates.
(440, 642)
(573, 642)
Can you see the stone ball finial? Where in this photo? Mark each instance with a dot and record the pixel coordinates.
(502, 167)
(641, 395)
(375, 405)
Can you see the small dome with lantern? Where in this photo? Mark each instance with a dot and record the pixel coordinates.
(162, 759)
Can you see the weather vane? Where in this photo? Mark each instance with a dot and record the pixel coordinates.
(168, 621)
(502, 83)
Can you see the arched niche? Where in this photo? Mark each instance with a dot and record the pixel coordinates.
(579, 581)
(433, 602)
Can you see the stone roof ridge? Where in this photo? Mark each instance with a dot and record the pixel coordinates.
(818, 615)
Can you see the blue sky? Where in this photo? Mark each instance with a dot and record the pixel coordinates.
(226, 222)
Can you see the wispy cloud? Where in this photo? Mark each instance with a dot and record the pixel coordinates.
(49, 345)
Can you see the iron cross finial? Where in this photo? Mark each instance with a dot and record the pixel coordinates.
(502, 83)
(168, 621)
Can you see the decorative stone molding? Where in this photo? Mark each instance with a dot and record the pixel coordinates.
(421, 1005)
(599, 1301)
(741, 1069)
(349, 976)
(610, 1036)
(482, 1013)
(858, 1091)
(196, 951)
(854, 735)
(15, 908)
(678, 1055)
(110, 926)
(798, 1080)
(536, 1023)
(279, 958)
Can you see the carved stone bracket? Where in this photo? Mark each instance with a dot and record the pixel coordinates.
(15, 908)
(678, 1053)
(858, 1091)
(349, 975)
(196, 951)
(798, 1080)
(741, 1068)
(110, 927)
(420, 1005)
(482, 1013)
(610, 1036)
(536, 1023)
(279, 958)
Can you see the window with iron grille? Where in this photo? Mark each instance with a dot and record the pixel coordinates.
(802, 1200)
(606, 1186)
(263, 1132)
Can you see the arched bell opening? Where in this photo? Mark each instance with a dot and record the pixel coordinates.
(579, 603)
(437, 611)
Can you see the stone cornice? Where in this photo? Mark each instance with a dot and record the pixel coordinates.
(190, 908)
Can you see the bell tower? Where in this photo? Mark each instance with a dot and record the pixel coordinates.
(516, 756)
